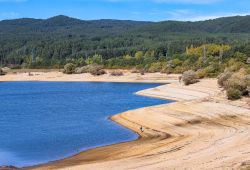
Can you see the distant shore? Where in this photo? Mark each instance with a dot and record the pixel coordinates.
(202, 130)
(53, 75)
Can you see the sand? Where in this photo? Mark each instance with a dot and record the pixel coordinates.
(60, 77)
(201, 130)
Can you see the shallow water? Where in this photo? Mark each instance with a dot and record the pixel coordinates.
(45, 121)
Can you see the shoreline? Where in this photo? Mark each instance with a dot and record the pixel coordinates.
(201, 129)
(56, 76)
(140, 136)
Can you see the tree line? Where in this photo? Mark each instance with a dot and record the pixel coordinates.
(52, 43)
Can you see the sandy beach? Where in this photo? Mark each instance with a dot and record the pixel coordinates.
(201, 130)
(60, 77)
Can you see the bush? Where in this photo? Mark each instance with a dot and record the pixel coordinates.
(248, 60)
(212, 70)
(201, 73)
(247, 79)
(234, 94)
(236, 85)
(116, 73)
(237, 81)
(96, 70)
(155, 67)
(69, 68)
(223, 77)
(234, 65)
(248, 70)
(134, 70)
(179, 70)
(189, 77)
(80, 70)
(142, 72)
(2, 72)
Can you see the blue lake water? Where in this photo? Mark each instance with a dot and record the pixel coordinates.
(46, 121)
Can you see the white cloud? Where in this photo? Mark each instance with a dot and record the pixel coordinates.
(207, 17)
(191, 15)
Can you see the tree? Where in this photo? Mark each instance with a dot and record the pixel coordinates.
(139, 55)
(96, 59)
(204, 54)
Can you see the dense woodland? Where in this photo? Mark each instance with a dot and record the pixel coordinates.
(51, 43)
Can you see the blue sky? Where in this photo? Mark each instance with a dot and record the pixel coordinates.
(144, 10)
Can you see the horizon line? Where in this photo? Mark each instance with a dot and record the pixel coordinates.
(206, 19)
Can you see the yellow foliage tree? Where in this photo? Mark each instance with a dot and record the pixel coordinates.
(210, 50)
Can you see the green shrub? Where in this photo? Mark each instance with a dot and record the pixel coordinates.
(80, 70)
(189, 77)
(211, 71)
(234, 65)
(234, 94)
(179, 70)
(167, 69)
(201, 73)
(69, 68)
(155, 67)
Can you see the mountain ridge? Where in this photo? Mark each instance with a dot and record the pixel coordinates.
(59, 38)
(234, 24)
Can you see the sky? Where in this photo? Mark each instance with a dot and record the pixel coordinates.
(140, 10)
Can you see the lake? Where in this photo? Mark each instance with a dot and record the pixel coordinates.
(46, 121)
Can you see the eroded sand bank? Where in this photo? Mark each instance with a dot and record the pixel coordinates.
(202, 130)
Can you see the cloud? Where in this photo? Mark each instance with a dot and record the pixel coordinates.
(208, 17)
(191, 15)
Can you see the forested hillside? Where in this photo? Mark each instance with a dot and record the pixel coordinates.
(55, 41)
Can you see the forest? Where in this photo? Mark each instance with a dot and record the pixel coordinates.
(53, 42)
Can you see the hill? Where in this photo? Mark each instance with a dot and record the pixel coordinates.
(56, 39)
(236, 24)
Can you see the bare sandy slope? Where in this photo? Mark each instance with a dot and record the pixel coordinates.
(201, 131)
